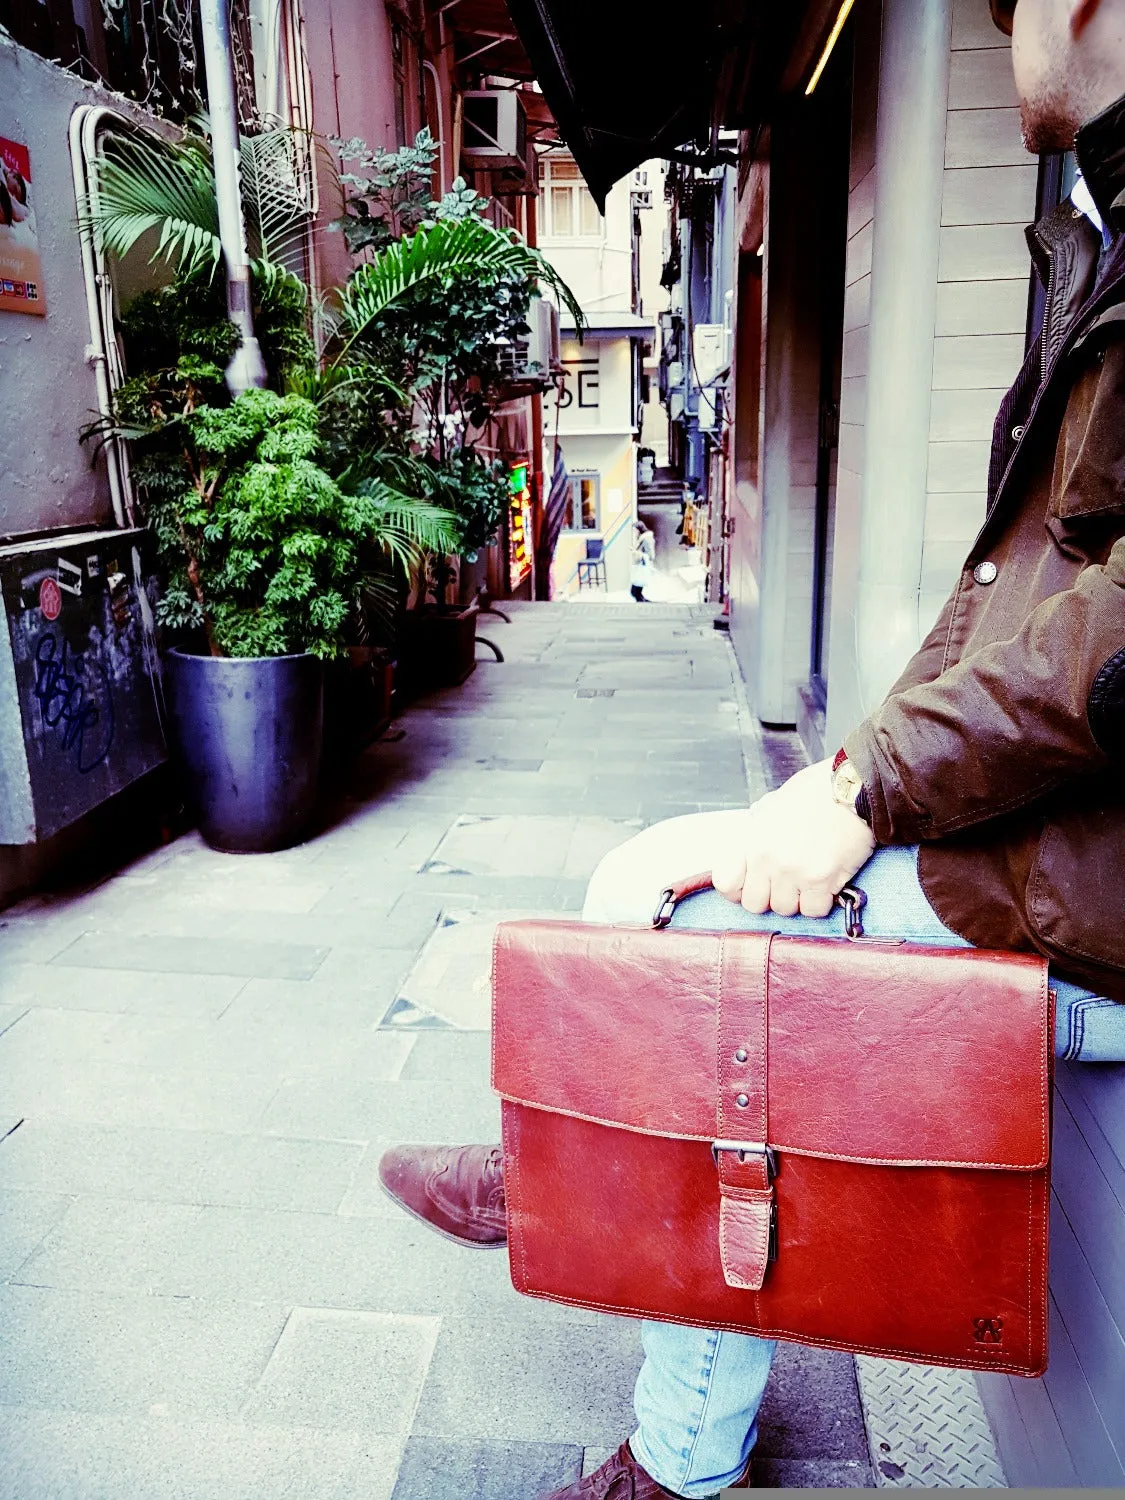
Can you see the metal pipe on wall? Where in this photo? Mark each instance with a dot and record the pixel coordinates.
(909, 166)
(247, 367)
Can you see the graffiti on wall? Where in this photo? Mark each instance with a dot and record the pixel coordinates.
(76, 700)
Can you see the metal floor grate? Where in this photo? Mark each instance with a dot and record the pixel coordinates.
(926, 1427)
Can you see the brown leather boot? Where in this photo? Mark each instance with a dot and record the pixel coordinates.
(621, 1478)
(457, 1190)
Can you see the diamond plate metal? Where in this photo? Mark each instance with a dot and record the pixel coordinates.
(926, 1427)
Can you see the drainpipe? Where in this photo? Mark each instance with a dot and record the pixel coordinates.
(909, 165)
(247, 368)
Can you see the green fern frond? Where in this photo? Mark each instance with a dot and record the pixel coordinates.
(448, 248)
(142, 185)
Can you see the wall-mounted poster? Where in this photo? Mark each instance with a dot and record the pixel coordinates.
(21, 284)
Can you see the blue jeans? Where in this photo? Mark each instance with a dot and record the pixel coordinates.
(699, 1389)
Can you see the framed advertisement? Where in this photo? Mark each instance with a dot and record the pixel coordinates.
(21, 282)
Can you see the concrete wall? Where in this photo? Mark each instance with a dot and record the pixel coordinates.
(654, 301)
(1069, 1427)
(771, 617)
(780, 652)
(614, 460)
(599, 272)
(602, 441)
(853, 369)
(988, 197)
(348, 44)
(47, 388)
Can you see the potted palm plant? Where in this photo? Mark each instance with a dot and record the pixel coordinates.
(275, 536)
(440, 300)
(437, 639)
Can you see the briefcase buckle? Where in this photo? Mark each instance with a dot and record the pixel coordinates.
(745, 1149)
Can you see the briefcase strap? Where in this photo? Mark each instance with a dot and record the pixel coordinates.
(745, 1163)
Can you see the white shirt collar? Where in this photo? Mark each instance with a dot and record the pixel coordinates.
(1083, 200)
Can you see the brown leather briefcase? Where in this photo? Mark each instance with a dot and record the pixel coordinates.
(841, 1143)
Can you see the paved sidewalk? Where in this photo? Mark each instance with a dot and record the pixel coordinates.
(203, 1294)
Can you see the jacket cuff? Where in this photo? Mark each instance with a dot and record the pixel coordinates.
(887, 817)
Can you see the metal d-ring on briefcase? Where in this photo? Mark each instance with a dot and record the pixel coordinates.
(841, 1143)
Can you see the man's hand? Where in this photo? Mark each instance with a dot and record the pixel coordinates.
(794, 850)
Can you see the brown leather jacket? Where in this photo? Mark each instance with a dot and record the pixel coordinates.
(1001, 749)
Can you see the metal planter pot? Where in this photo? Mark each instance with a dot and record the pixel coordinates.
(249, 732)
(437, 646)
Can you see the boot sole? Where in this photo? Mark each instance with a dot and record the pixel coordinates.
(446, 1234)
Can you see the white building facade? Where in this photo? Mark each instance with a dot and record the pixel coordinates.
(597, 412)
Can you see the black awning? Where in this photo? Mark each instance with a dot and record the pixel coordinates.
(627, 80)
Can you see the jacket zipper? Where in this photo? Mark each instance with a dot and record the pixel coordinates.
(1043, 343)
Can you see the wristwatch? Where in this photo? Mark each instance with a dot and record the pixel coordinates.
(847, 788)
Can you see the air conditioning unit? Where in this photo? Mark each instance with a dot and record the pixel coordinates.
(543, 344)
(493, 129)
(710, 349)
(535, 356)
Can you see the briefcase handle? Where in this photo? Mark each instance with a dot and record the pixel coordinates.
(850, 898)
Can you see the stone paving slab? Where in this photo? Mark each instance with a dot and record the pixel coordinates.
(158, 952)
(99, 1351)
(335, 1368)
(442, 1057)
(532, 1382)
(25, 1219)
(451, 980)
(112, 1094)
(62, 1455)
(252, 1045)
(355, 992)
(175, 1166)
(115, 990)
(10, 1012)
(512, 846)
(484, 1470)
(415, 1110)
(811, 1408)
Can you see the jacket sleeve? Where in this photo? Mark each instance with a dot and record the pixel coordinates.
(1007, 724)
(928, 660)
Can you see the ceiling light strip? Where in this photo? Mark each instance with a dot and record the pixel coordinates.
(833, 38)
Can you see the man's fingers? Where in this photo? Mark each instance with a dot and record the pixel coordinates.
(756, 893)
(727, 874)
(816, 902)
(785, 898)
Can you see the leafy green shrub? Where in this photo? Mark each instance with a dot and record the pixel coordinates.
(262, 548)
(388, 194)
(476, 491)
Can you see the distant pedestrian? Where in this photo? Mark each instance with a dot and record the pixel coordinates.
(644, 557)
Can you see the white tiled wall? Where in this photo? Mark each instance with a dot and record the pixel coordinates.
(988, 197)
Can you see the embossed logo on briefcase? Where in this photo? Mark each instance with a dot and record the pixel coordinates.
(988, 1330)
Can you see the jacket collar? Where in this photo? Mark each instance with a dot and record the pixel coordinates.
(1100, 149)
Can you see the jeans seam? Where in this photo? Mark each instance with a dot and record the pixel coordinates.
(708, 1376)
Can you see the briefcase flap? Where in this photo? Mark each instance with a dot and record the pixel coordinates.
(867, 1052)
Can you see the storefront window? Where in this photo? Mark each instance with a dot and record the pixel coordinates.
(582, 503)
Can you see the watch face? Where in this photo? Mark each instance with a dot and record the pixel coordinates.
(846, 784)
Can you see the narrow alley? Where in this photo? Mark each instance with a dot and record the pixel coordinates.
(204, 1292)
